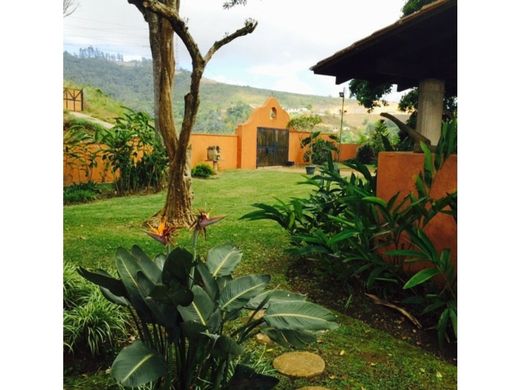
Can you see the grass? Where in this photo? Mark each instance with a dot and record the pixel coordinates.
(97, 103)
(357, 356)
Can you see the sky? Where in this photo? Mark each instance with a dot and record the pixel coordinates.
(291, 36)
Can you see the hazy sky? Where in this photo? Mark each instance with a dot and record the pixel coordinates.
(291, 36)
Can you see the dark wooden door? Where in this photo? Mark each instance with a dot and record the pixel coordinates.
(272, 147)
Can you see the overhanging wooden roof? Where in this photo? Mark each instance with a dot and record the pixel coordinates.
(418, 46)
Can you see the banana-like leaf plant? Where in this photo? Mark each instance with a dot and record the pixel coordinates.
(180, 305)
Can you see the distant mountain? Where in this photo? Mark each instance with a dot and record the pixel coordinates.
(222, 106)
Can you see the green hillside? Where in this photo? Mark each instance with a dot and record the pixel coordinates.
(223, 106)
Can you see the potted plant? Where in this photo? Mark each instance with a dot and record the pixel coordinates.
(317, 150)
(307, 123)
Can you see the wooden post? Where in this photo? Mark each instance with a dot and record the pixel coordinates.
(429, 112)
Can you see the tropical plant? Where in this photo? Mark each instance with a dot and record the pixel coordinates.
(91, 324)
(317, 148)
(358, 237)
(183, 307)
(134, 152)
(365, 154)
(202, 170)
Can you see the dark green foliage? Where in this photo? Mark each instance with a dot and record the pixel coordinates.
(91, 324)
(80, 193)
(414, 5)
(317, 149)
(350, 232)
(135, 152)
(183, 306)
(304, 122)
(202, 170)
(380, 139)
(366, 154)
(369, 94)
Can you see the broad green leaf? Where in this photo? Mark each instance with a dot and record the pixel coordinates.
(299, 316)
(177, 266)
(208, 281)
(193, 330)
(103, 279)
(200, 309)
(122, 301)
(290, 338)
(137, 365)
(246, 378)
(173, 295)
(239, 291)
(223, 281)
(127, 268)
(149, 268)
(159, 261)
(274, 295)
(226, 347)
(421, 277)
(222, 260)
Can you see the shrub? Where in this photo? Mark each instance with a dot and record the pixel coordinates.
(184, 306)
(317, 149)
(91, 324)
(135, 152)
(202, 170)
(351, 232)
(80, 193)
(365, 154)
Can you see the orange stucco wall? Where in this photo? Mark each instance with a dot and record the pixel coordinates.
(237, 150)
(75, 171)
(228, 149)
(348, 151)
(397, 171)
(246, 132)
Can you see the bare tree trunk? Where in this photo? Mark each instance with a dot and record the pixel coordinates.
(177, 209)
(163, 20)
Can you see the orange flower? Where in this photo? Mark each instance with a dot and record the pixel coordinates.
(202, 221)
(162, 233)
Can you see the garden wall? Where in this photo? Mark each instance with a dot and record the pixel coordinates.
(228, 149)
(75, 170)
(397, 171)
(237, 150)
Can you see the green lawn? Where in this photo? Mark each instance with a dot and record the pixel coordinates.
(357, 356)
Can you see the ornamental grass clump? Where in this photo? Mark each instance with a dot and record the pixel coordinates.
(181, 304)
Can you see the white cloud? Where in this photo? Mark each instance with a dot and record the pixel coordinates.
(292, 35)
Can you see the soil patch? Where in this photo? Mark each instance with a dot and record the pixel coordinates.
(333, 294)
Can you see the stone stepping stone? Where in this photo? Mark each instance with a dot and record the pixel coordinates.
(263, 339)
(299, 364)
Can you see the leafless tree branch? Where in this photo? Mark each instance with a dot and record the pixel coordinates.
(248, 28)
(69, 6)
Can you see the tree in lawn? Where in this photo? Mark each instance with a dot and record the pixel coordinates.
(163, 19)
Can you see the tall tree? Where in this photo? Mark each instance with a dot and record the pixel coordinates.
(163, 19)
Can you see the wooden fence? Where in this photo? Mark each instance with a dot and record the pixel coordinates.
(72, 99)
